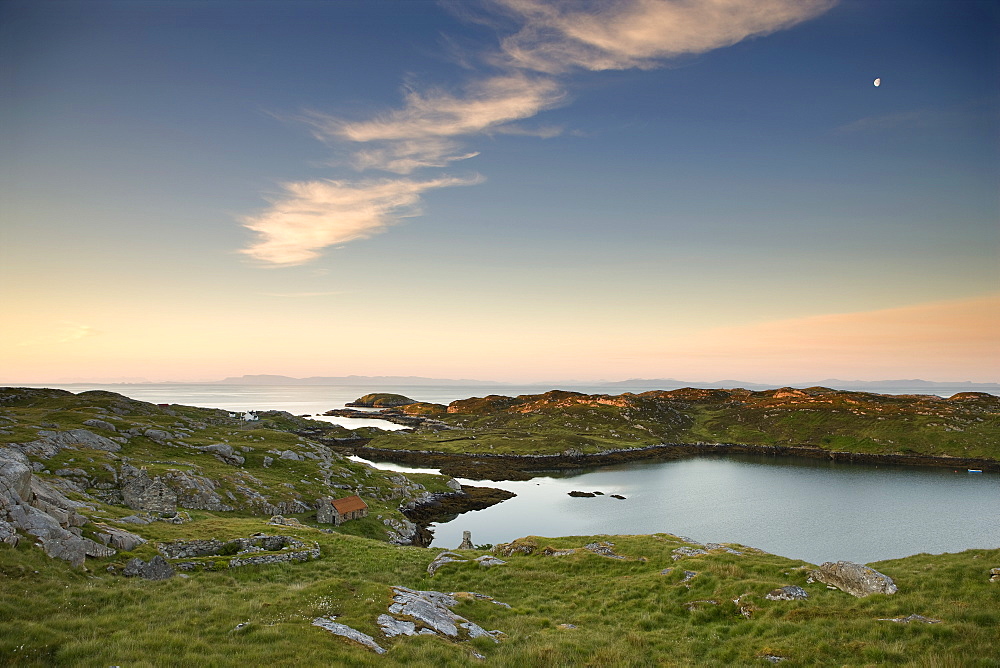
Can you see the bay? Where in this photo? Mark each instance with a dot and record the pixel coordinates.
(799, 508)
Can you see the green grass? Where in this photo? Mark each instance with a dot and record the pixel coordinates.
(626, 612)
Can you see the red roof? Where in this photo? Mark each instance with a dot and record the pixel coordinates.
(349, 504)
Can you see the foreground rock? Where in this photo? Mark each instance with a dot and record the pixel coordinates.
(855, 579)
(431, 610)
(30, 505)
(346, 631)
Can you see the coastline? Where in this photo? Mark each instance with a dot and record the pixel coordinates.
(519, 467)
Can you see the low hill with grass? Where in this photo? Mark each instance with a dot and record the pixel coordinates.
(966, 425)
(89, 445)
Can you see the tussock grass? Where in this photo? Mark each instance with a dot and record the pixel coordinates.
(625, 612)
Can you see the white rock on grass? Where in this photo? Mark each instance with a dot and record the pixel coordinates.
(346, 631)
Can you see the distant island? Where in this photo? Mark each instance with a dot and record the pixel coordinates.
(646, 383)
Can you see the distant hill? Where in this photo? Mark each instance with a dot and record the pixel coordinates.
(879, 386)
(902, 386)
(269, 379)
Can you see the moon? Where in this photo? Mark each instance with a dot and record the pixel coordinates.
(877, 82)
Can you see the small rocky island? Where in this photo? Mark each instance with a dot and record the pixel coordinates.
(380, 400)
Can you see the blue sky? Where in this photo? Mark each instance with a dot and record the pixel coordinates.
(505, 189)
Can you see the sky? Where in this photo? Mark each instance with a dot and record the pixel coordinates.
(512, 190)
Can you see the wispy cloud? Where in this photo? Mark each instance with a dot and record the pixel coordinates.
(312, 215)
(422, 133)
(432, 127)
(596, 35)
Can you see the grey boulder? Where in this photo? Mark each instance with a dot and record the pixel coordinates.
(156, 569)
(855, 579)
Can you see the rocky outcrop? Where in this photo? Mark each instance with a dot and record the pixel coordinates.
(224, 453)
(401, 531)
(432, 610)
(30, 505)
(855, 579)
(444, 558)
(519, 546)
(156, 569)
(682, 552)
(118, 539)
(346, 631)
(787, 593)
(50, 443)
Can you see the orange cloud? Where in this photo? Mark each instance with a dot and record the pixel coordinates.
(937, 339)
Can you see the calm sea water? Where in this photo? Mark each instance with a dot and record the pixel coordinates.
(811, 510)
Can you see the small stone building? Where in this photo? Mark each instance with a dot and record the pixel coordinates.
(338, 511)
(142, 493)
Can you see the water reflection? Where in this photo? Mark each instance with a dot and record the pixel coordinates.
(814, 510)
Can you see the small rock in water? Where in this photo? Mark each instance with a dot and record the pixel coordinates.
(581, 494)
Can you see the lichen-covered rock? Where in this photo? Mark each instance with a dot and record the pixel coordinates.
(396, 627)
(50, 443)
(787, 593)
(911, 618)
(519, 546)
(432, 609)
(682, 552)
(488, 561)
(119, 538)
(400, 531)
(8, 534)
(156, 569)
(30, 505)
(100, 424)
(854, 579)
(444, 558)
(346, 631)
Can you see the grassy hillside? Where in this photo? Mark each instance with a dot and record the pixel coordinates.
(280, 472)
(626, 612)
(965, 425)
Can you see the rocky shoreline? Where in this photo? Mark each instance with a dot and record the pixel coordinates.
(445, 507)
(498, 467)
